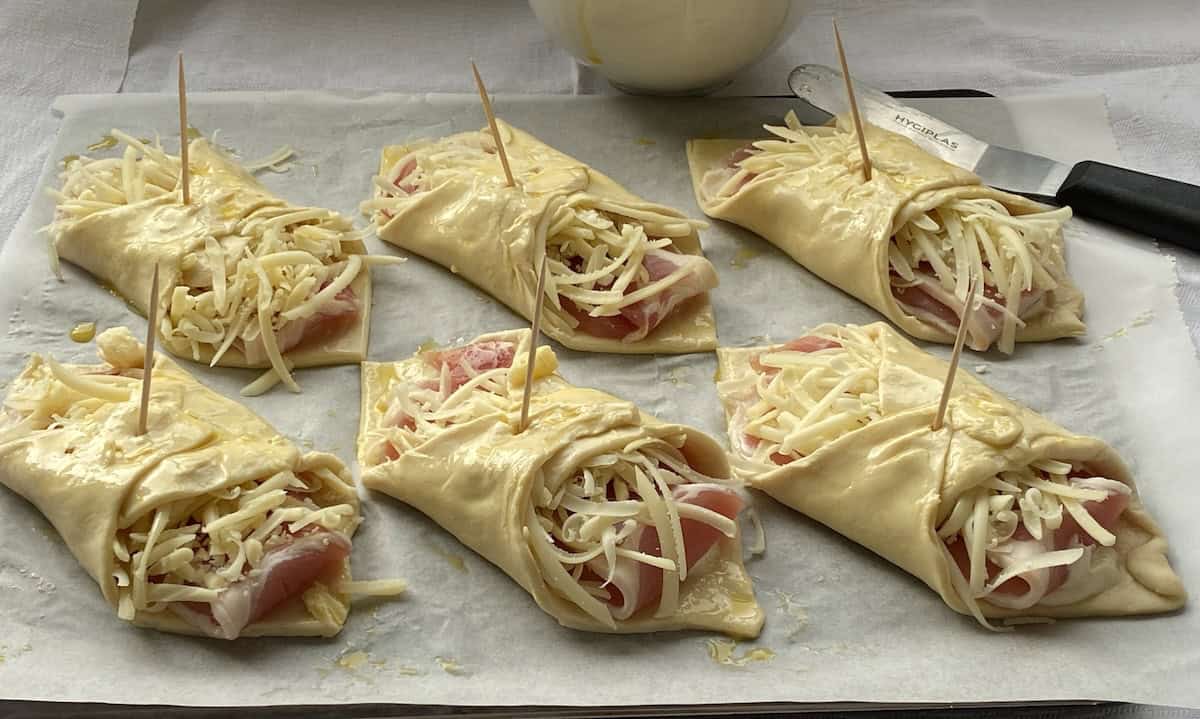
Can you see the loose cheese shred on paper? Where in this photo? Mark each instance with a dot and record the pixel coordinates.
(1019, 257)
(574, 524)
(259, 253)
(265, 381)
(273, 162)
(598, 250)
(375, 588)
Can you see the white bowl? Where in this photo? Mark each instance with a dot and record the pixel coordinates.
(668, 46)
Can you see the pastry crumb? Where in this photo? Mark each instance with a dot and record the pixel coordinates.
(450, 666)
(724, 652)
(353, 660)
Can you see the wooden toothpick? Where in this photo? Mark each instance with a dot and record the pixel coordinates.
(858, 126)
(148, 361)
(533, 344)
(491, 118)
(184, 172)
(959, 338)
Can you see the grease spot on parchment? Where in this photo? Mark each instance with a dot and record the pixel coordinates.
(1141, 320)
(7, 652)
(796, 615)
(680, 377)
(724, 652)
(83, 332)
(362, 666)
(450, 666)
(353, 660)
(454, 560)
(743, 256)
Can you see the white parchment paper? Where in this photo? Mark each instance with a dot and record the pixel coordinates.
(843, 624)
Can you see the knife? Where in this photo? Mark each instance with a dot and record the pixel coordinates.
(1155, 206)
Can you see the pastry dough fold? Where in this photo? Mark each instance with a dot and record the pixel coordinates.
(476, 478)
(890, 484)
(825, 217)
(78, 459)
(496, 236)
(121, 245)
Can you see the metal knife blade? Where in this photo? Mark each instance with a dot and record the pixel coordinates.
(1158, 207)
(1002, 167)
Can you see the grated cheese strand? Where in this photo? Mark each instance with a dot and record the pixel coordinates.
(86, 385)
(374, 588)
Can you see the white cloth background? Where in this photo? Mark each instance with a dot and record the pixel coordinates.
(1145, 56)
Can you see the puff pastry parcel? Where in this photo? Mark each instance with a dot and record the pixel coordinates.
(248, 279)
(908, 241)
(611, 520)
(623, 275)
(210, 523)
(1001, 512)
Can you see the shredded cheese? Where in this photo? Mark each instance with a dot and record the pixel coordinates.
(266, 274)
(375, 588)
(87, 385)
(797, 402)
(265, 381)
(193, 550)
(594, 519)
(1019, 257)
(588, 518)
(602, 255)
(422, 400)
(1035, 497)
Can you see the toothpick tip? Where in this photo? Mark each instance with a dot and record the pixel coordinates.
(491, 119)
(535, 331)
(148, 360)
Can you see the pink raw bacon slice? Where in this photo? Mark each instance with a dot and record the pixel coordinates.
(807, 343)
(406, 187)
(639, 319)
(641, 582)
(716, 182)
(333, 319)
(286, 572)
(647, 314)
(931, 303)
(1106, 512)
(480, 357)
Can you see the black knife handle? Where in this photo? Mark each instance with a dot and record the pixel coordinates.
(1163, 209)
